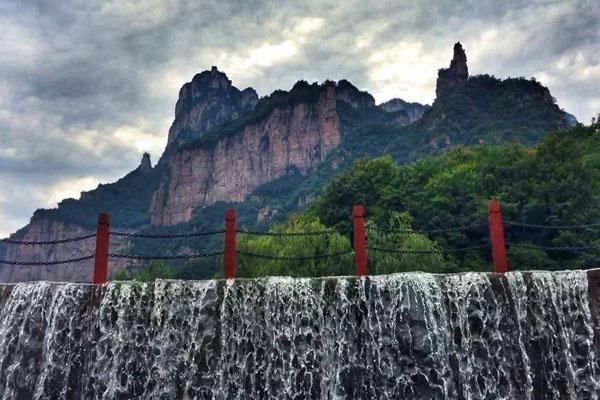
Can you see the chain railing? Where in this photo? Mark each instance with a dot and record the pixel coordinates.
(46, 242)
(316, 256)
(555, 248)
(33, 263)
(552, 227)
(172, 257)
(286, 234)
(168, 235)
(359, 249)
(463, 228)
(428, 251)
(43, 263)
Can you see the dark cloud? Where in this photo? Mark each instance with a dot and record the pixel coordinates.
(86, 86)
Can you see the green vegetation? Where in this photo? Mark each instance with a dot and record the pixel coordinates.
(154, 270)
(335, 243)
(295, 246)
(163, 270)
(314, 248)
(486, 109)
(554, 183)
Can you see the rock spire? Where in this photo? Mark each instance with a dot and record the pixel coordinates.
(456, 74)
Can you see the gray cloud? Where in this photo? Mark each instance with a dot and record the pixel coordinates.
(86, 86)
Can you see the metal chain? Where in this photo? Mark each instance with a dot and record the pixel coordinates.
(294, 258)
(166, 235)
(47, 242)
(265, 233)
(401, 251)
(41, 263)
(557, 248)
(551, 227)
(175, 257)
(429, 231)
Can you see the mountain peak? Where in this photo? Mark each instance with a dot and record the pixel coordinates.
(349, 93)
(145, 164)
(208, 100)
(456, 74)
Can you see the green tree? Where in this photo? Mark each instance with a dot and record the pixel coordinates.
(314, 247)
(414, 251)
(154, 270)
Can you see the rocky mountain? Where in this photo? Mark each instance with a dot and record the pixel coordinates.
(270, 156)
(206, 102)
(295, 132)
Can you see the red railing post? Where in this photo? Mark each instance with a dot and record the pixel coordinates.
(497, 237)
(360, 240)
(230, 244)
(101, 261)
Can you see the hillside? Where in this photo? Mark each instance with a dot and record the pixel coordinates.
(270, 157)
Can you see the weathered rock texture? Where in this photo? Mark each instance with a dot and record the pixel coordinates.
(295, 136)
(145, 165)
(206, 102)
(456, 74)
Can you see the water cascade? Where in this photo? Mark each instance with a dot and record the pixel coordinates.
(403, 336)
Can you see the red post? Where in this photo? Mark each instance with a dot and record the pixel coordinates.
(497, 237)
(101, 260)
(360, 240)
(230, 244)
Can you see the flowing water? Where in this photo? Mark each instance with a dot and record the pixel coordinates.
(403, 336)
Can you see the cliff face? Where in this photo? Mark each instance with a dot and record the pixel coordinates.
(295, 136)
(206, 102)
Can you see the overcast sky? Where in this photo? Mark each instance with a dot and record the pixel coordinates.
(87, 86)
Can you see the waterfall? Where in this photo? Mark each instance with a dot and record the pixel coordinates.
(530, 335)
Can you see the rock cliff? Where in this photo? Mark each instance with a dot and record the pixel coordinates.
(296, 133)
